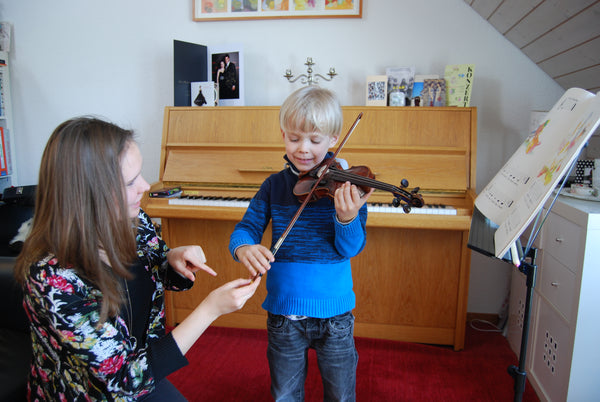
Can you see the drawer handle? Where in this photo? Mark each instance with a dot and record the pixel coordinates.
(559, 239)
(554, 284)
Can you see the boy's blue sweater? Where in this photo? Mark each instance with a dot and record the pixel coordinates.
(311, 275)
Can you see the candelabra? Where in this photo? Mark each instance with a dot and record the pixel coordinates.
(309, 78)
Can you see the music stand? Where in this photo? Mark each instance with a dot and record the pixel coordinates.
(481, 239)
(516, 195)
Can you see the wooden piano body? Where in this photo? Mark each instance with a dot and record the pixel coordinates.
(411, 281)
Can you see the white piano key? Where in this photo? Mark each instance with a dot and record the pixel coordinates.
(425, 210)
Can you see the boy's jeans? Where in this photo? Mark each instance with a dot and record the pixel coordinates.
(337, 358)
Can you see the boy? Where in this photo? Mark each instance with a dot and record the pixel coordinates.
(310, 297)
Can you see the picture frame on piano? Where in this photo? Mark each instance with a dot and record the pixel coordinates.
(376, 90)
(226, 68)
(204, 93)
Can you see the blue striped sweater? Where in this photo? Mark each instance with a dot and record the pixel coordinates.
(311, 274)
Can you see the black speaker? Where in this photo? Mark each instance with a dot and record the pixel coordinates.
(21, 195)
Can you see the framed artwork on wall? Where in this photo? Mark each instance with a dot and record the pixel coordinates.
(218, 10)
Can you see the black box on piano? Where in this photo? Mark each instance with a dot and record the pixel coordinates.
(168, 192)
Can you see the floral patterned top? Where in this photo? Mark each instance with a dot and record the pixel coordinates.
(73, 360)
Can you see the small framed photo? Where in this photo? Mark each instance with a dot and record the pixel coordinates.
(401, 78)
(434, 92)
(226, 66)
(376, 91)
(204, 93)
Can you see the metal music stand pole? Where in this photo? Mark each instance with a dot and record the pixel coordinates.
(518, 373)
(529, 268)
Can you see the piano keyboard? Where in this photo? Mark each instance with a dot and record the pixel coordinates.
(211, 201)
(433, 209)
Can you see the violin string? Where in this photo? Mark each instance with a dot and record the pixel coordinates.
(362, 180)
(367, 181)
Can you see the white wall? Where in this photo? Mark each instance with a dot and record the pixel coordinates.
(113, 58)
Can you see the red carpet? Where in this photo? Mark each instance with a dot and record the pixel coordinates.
(228, 364)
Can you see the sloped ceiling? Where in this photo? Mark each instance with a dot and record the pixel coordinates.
(561, 36)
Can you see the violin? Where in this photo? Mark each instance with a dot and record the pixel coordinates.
(323, 180)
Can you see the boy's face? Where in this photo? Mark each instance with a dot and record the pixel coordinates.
(307, 150)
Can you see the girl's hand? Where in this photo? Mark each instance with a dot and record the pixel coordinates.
(186, 260)
(231, 296)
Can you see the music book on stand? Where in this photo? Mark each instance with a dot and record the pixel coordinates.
(508, 204)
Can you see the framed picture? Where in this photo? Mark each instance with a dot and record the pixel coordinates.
(204, 93)
(420, 82)
(217, 10)
(434, 92)
(401, 78)
(226, 69)
(376, 90)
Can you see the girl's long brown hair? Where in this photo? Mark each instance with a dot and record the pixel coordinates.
(81, 208)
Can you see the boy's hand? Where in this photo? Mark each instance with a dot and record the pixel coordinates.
(257, 258)
(348, 201)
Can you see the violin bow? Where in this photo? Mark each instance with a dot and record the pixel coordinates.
(312, 190)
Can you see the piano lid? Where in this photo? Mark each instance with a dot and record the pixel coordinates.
(433, 148)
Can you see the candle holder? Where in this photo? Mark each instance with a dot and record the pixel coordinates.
(309, 78)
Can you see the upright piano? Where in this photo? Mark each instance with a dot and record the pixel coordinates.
(412, 278)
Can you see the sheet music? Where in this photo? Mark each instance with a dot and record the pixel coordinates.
(522, 186)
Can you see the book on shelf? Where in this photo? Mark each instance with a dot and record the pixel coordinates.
(3, 154)
(459, 83)
(2, 102)
(5, 32)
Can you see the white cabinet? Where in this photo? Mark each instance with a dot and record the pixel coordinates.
(563, 358)
(8, 173)
(516, 310)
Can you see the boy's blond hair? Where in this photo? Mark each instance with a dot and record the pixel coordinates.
(311, 109)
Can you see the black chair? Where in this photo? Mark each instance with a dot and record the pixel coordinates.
(15, 342)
